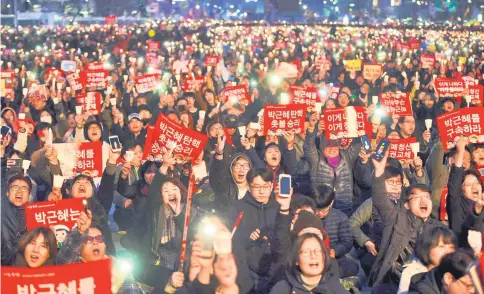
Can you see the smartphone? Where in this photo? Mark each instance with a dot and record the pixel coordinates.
(381, 149)
(115, 143)
(284, 185)
(17, 163)
(366, 143)
(5, 130)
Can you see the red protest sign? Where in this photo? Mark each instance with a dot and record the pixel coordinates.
(37, 93)
(234, 94)
(75, 81)
(152, 59)
(77, 278)
(167, 135)
(396, 103)
(146, 83)
(446, 87)
(280, 118)
(477, 94)
(468, 81)
(181, 66)
(443, 204)
(372, 71)
(427, 61)
(347, 122)
(211, 60)
(51, 213)
(95, 78)
(193, 84)
(306, 96)
(55, 72)
(334, 92)
(414, 45)
(110, 19)
(287, 70)
(6, 84)
(89, 159)
(461, 122)
(95, 66)
(401, 148)
(153, 45)
(90, 101)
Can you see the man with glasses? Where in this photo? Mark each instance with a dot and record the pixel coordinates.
(13, 216)
(401, 226)
(256, 229)
(407, 127)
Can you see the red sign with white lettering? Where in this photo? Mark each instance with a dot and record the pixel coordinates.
(341, 125)
(90, 101)
(52, 213)
(234, 94)
(92, 277)
(453, 88)
(280, 118)
(396, 103)
(401, 148)
(461, 122)
(300, 95)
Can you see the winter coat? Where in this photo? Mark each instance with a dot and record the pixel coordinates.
(338, 229)
(458, 207)
(329, 284)
(428, 285)
(401, 227)
(13, 228)
(340, 178)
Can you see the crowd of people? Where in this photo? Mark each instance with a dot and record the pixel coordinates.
(353, 220)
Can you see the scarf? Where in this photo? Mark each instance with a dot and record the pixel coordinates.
(333, 161)
(168, 229)
(394, 196)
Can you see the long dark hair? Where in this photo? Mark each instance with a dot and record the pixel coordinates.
(293, 258)
(49, 238)
(178, 183)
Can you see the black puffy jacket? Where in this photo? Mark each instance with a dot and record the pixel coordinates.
(13, 228)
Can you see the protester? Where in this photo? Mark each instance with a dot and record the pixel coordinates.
(37, 248)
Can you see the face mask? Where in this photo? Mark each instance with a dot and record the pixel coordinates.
(46, 119)
(333, 161)
(145, 121)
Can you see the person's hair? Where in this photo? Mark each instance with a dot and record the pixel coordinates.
(472, 172)
(477, 146)
(293, 257)
(148, 166)
(392, 171)
(264, 173)
(420, 187)
(130, 145)
(20, 177)
(429, 239)
(49, 238)
(455, 263)
(178, 183)
(323, 195)
(83, 177)
(299, 201)
(453, 151)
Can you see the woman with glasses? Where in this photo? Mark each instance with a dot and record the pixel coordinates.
(464, 189)
(308, 269)
(37, 248)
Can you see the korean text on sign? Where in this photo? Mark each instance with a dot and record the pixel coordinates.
(51, 213)
(280, 118)
(169, 135)
(90, 101)
(461, 122)
(401, 148)
(89, 159)
(75, 81)
(372, 71)
(446, 87)
(339, 125)
(193, 84)
(146, 83)
(236, 94)
(78, 278)
(396, 103)
(307, 96)
(477, 94)
(95, 78)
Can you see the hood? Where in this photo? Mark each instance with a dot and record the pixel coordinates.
(236, 156)
(15, 120)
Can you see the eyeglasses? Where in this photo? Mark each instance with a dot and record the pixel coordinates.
(420, 197)
(307, 253)
(261, 188)
(242, 166)
(90, 239)
(470, 184)
(468, 287)
(394, 182)
(21, 188)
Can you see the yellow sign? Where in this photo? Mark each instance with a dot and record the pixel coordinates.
(462, 60)
(353, 65)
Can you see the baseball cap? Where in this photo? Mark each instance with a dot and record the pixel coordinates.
(134, 116)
